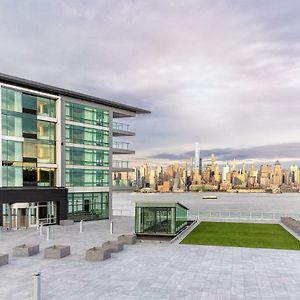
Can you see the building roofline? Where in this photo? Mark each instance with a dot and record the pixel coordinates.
(161, 202)
(25, 83)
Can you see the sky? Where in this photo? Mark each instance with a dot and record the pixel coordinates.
(225, 74)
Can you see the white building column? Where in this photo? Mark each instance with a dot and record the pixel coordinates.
(110, 210)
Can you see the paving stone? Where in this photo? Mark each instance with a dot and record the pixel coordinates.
(146, 270)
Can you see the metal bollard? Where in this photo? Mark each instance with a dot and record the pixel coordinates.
(111, 227)
(41, 229)
(48, 233)
(81, 226)
(37, 292)
(37, 225)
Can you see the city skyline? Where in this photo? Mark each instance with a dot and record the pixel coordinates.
(226, 74)
(209, 175)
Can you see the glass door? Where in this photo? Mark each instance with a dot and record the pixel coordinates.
(162, 220)
(32, 215)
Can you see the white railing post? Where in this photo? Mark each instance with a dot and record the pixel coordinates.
(111, 227)
(37, 291)
(81, 226)
(41, 229)
(48, 233)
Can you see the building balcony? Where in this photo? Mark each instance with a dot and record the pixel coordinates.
(121, 148)
(121, 129)
(121, 184)
(121, 166)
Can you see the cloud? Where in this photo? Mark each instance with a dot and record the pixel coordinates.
(226, 74)
(288, 151)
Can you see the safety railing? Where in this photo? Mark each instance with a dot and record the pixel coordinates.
(121, 145)
(242, 215)
(121, 183)
(120, 164)
(121, 126)
(225, 215)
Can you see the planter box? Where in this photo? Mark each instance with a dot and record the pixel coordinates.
(97, 254)
(57, 251)
(113, 246)
(26, 250)
(127, 239)
(66, 222)
(3, 259)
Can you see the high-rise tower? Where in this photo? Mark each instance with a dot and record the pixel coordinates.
(198, 161)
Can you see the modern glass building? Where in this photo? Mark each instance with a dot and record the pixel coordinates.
(162, 218)
(57, 151)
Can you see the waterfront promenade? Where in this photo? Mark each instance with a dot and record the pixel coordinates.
(147, 270)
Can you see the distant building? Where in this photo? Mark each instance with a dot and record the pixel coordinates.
(198, 161)
(277, 177)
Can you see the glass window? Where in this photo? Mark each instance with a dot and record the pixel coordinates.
(45, 177)
(87, 136)
(12, 151)
(46, 130)
(87, 114)
(29, 124)
(87, 157)
(29, 149)
(29, 102)
(29, 176)
(11, 100)
(86, 178)
(46, 107)
(46, 153)
(88, 206)
(12, 125)
(12, 176)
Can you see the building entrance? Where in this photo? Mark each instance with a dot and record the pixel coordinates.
(24, 215)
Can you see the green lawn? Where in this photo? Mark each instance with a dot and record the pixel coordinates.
(271, 236)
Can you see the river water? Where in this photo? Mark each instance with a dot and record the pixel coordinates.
(243, 202)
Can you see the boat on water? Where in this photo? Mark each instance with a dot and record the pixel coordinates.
(211, 197)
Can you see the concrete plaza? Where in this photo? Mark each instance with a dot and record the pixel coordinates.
(149, 270)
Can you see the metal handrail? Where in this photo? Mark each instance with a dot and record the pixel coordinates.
(121, 145)
(121, 126)
(120, 164)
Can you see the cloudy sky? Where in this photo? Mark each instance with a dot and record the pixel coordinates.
(225, 74)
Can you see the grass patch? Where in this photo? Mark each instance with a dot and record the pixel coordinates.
(271, 236)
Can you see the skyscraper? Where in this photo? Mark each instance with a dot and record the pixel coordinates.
(198, 161)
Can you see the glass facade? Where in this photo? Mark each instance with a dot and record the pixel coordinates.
(88, 206)
(20, 160)
(87, 114)
(87, 178)
(158, 218)
(87, 157)
(87, 136)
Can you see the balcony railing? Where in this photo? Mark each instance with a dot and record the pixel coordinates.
(121, 183)
(121, 126)
(121, 145)
(120, 164)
